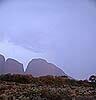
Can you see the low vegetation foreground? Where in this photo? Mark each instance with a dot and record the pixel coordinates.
(27, 87)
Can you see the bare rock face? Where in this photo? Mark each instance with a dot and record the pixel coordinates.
(36, 67)
(2, 62)
(13, 66)
(40, 67)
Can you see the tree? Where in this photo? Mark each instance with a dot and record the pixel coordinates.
(92, 78)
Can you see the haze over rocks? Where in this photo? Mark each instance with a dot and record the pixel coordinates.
(36, 67)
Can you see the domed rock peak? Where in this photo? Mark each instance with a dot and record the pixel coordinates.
(13, 66)
(40, 67)
(2, 62)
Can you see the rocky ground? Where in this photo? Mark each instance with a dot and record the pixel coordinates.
(26, 87)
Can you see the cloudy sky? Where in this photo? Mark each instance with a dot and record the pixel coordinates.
(61, 31)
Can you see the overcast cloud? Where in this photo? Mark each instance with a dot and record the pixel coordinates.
(61, 31)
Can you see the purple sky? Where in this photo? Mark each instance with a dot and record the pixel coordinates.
(61, 31)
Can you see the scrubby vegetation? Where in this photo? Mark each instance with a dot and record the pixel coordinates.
(27, 87)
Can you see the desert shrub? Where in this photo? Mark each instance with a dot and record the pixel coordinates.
(46, 80)
(54, 95)
(19, 78)
(59, 81)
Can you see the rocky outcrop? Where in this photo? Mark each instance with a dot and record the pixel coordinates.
(13, 66)
(36, 67)
(2, 62)
(40, 67)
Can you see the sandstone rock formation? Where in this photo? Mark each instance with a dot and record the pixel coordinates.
(2, 62)
(13, 66)
(40, 67)
(36, 67)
